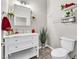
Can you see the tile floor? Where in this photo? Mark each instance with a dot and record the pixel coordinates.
(44, 54)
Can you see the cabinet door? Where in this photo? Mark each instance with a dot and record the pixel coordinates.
(22, 15)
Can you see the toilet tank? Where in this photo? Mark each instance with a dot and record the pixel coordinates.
(67, 43)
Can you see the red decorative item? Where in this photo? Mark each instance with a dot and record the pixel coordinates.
(68, 5)
(72, 3)
(16, 32)
(6, 24)
(33, 30)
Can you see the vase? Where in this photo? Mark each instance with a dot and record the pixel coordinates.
(43, 45)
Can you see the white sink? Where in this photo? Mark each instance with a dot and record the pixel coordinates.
(24, 34)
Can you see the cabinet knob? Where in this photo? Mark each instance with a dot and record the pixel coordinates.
(16, 47)
(16, 40)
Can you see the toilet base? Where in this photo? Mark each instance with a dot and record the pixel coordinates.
(68, 57)
(65, 57)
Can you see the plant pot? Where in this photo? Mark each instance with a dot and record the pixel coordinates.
(43, 45)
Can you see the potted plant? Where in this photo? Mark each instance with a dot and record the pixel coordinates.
(43, 37)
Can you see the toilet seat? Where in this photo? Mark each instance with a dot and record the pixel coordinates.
(59, 52)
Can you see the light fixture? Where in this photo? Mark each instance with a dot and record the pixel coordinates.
(24, 1)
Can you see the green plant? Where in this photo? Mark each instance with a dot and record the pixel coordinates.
(62, 7)
(10, 14)
(43, 36)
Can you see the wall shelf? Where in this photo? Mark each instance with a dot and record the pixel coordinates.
(68, 17)
(71, 19)
(21, 16)
(69, 10)
(20, 21)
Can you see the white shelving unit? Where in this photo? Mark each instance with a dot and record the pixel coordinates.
(22, 15)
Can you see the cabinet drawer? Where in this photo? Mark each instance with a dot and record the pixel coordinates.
(21, 46)
(20, 39)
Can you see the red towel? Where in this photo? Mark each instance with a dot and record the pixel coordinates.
(6, 24)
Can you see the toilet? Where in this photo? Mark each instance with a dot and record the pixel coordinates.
(67, 46)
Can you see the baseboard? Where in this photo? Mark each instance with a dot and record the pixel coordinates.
(47, 46)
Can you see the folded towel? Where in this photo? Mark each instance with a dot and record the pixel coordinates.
(6, 24)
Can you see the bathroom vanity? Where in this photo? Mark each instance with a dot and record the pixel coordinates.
(21, 46)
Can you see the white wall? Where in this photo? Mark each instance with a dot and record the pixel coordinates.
(39, 9)
(4, 5)
(56, 29)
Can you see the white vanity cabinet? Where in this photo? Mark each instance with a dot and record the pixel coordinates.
(25, 45)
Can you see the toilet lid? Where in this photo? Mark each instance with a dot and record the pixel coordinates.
(59, 52)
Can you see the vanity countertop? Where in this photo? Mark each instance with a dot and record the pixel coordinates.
(23, 34)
